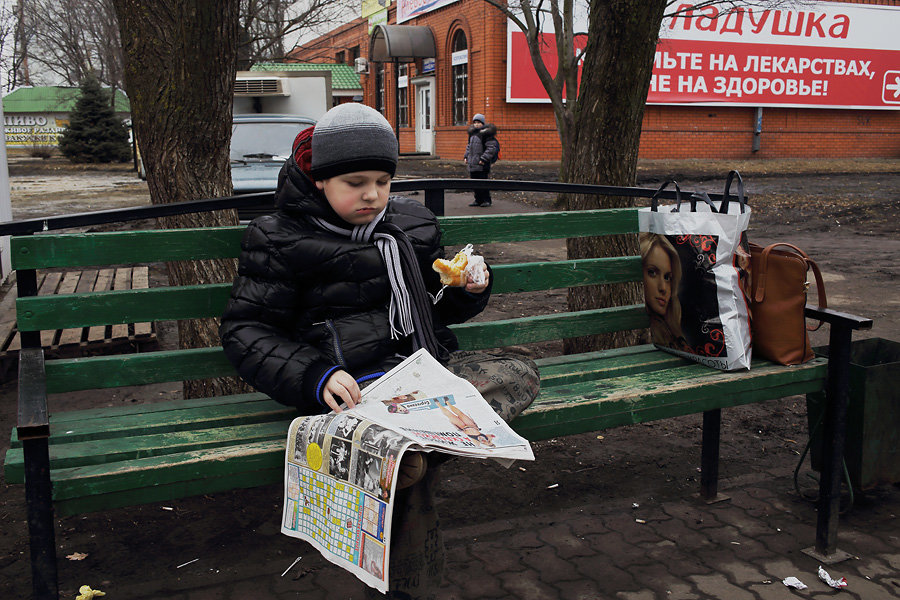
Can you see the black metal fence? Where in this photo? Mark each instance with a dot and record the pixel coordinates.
(434, 189)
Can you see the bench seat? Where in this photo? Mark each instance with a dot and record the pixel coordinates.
(109, 457)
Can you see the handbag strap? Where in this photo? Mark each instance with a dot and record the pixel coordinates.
(760, 276)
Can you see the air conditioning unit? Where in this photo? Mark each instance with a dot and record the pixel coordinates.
(260, 86)
(362, 65)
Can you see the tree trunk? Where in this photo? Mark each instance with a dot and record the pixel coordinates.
(622, 37)
(180, 63)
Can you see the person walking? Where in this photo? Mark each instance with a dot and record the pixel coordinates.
(482, 151)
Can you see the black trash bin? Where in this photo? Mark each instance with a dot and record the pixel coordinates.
(872, 447)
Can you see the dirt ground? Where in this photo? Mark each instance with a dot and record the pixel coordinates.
(845, 214)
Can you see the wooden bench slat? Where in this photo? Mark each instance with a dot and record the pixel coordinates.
(140, 280)
(127, 306)
(103, 283)
(8, 331)
(97, 372)
(90, 414)
(121, 281)
(197, 418)
(510, 332)
(607, 366)
(537, 226)
(188, 467)
(105, 451)
(538, 276)
(69, 285)
(80, 249)
(91, 249)
(589, 406)
(47, 288)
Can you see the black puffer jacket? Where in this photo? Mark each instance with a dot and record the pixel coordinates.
(483, 147)
(307, 302)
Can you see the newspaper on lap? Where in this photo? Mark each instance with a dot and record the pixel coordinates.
(340, 469)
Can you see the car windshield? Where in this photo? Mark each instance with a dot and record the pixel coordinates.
(255, 141)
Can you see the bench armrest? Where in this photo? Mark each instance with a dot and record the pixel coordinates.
(33, 418)
(834, 317)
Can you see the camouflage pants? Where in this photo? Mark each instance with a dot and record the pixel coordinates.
(509, 383)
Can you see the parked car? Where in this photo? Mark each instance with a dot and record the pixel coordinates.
(260, 143)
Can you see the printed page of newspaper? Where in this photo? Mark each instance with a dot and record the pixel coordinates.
(340, 469)
(424, 401)
(339, 483)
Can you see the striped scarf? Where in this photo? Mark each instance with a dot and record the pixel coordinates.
(410, 305)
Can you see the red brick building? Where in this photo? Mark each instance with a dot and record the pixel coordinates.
(468, 75)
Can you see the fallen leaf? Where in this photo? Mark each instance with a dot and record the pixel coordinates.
(77, 556)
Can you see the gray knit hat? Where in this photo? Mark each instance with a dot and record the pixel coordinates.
(479, 117)
(353, 137)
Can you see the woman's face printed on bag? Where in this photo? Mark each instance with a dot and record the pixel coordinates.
(657, 280)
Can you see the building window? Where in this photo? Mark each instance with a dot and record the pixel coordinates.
(460, 74)
(339, 57)
(379, 88)
(403, 94)
(354, 53)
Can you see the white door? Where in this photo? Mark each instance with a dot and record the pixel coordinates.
(424, 116)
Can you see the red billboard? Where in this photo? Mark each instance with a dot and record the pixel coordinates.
(824, 54)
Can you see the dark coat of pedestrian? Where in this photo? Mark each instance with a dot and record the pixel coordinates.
(482, 151)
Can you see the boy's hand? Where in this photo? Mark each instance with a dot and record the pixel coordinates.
(477, 288)
(341, 387)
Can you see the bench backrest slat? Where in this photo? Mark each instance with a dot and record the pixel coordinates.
(85, 249)
(62, 311)
(537, 226)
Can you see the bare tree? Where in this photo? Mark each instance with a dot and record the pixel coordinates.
(68, 39)
(15, 33)
(180, 63)
(75, 38)
(265, 24)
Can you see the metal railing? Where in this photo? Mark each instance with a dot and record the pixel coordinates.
(434, 189)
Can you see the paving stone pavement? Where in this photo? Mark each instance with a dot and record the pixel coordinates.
(677, 548)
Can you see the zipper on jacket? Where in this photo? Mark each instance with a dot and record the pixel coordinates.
(336, 342)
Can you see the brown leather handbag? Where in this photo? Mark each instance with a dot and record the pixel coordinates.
(779, 286)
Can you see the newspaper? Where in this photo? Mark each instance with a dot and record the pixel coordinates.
(340, 468)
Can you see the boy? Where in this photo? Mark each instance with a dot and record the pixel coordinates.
(333, 290)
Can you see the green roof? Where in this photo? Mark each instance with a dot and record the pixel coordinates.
(51, 98)
(343, 77)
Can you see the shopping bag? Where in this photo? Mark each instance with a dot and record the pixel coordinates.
(696, 263)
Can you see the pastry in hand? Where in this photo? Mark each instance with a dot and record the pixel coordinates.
(452, 272)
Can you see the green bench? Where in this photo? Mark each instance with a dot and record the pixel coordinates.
(99, 458)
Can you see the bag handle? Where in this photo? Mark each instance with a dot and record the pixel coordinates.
(760, 276)
(699, 196)
(723, 209)
(654, 200)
